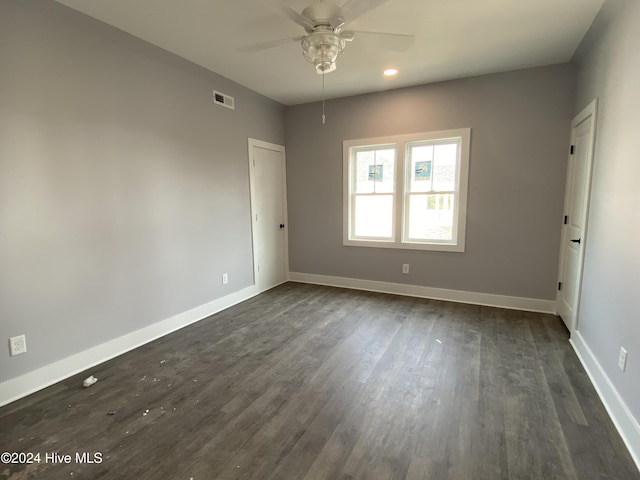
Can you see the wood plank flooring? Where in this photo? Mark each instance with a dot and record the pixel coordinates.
(310, 382)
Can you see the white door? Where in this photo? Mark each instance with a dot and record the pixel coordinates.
(576, 205)
(269, 213)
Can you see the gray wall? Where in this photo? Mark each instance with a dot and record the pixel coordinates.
(609, 69)
(124, 191)
(520, 125)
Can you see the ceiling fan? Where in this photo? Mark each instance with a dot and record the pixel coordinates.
(326, 39)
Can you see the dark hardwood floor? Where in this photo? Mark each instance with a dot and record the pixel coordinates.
(310, 382)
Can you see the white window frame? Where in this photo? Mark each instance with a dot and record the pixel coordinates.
(401, 194)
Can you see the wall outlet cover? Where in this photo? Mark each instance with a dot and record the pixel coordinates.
(622, 359)
(17, 345)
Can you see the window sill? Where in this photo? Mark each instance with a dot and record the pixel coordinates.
(435, 247)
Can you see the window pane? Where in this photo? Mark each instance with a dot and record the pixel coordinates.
(374, 216)
(444, 168)
(431, 217)
(421, 174)
(375, 170)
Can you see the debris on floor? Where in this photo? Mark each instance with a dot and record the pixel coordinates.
(89, 381)
(111, 413)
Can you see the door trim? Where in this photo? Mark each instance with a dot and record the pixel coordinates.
(252, 143)
(590, 110)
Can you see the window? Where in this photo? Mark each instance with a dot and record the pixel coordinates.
(408, 191)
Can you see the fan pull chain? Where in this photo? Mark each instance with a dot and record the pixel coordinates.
(323, 117)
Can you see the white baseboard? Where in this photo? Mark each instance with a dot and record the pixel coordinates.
(502, 301)
(43, 377)
(622, 418)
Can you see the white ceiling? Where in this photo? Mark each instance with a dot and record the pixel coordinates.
(454, 39)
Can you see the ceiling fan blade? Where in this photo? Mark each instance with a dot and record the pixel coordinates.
(397, 42)
(353, 9)
(257, 47)
(298, 18)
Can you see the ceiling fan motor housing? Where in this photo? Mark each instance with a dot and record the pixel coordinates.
(325, 14)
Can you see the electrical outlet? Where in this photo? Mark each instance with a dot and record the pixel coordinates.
(225, 278)
(17, 345)
(622, 359)
(405, 268)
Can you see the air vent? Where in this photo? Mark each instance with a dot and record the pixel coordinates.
(224, 100)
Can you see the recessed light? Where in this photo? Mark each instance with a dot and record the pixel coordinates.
(390, 72)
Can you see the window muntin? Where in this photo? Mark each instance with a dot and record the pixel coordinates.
(407, 191)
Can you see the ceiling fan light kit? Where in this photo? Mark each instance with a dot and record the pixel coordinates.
(322, 48)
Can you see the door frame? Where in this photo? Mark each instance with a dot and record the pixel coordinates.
(590, 110)
(252, 143)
